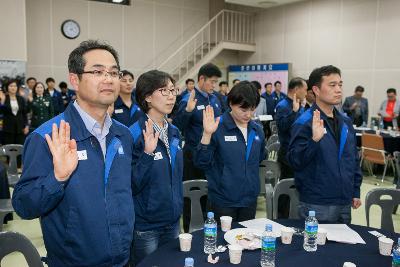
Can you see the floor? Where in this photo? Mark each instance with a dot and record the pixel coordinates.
(32, 230)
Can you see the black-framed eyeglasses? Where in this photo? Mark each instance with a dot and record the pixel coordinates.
(115, 74)
(167, 91)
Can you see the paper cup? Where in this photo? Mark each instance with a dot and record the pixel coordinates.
(321, 237)
(226, 222)
(235, 254)
(385, 246)
(286, 235)
(349, 264)
(185, 242)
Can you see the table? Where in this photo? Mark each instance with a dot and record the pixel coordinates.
(332, 254)
(390, 143)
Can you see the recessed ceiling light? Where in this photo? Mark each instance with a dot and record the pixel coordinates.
(117, 1)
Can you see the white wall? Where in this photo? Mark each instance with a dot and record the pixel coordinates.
(12, 30)
(360, 37)
(144, 33)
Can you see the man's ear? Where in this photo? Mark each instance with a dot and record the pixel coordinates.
(74, 81)
(315, 89)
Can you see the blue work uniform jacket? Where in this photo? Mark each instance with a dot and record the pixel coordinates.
(157, 186)
(270, 102)
(285, 117)
(326, 173)
(191, 123)
(231, 166)
(125, 115)
(87, 220)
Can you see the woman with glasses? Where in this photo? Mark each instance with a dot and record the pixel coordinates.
(229, 152)
(40, 105)
(157, 166)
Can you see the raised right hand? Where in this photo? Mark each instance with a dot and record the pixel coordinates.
(63, 150)
(191, 104)
(210, 124)
(296, 103)
(318, 129)
(2, 97)
(150, 138)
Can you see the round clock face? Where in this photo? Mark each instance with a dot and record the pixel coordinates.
(70, 29)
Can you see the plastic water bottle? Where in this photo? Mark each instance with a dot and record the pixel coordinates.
(210, 234)
(310, 232)
(268, 247)
(381, 124)
(396, 255)
(189, 262)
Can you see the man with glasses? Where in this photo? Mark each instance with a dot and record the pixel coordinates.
(189, 120)
(78, 181)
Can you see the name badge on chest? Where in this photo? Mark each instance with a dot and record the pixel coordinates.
(158, 156)
(201, 107)
(82, 155)
(230, 138)
(119, 111)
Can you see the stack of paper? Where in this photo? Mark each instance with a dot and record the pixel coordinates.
(342, 233)
(260, 223)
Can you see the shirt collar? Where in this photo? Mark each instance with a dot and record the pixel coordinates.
(92, 125)
(202, 93)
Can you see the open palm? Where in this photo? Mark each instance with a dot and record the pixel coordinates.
(150, 139)
(210, 124)
(318, 129)
(63, 150)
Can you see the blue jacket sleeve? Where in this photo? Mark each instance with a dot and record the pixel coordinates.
(285, 117)
(357, 173)
(302, 148)
(204, 154)
(141, 164)
(182, 117)
(38, 191)
(263, 152)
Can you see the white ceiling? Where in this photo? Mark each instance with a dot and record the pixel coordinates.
(262, 3)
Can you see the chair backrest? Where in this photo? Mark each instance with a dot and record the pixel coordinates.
(272, 139)
(273, 127)
(16, 242)
(273, 151)
(12, 151)
(374, 197)
(372, 148)
(194, 190)
(269, 173)
(286, 187)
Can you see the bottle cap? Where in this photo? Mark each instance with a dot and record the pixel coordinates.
(210, 215)
(311, 213)
(268, 227)
(189, 262)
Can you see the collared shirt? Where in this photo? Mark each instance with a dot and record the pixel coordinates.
(205, 94)
(163, 131)
(94, 127)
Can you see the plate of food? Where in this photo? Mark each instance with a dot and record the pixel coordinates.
(247, 238)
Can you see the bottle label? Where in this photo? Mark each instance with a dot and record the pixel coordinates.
(312, 229)
(396, 259)
(210, 231)
(268, 244)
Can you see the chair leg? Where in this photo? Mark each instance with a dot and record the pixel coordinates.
(384, 172)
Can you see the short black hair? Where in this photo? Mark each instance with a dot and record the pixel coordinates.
(149, 82)
(63, 85)
(317, 74)
(50, 79)
(359, 88)
(127, 72)
(244, 94)
(223, 83)
(209, 70)
(76, 62)
(34, 89)
(295, 82)
(256, 84)
(188, 81)
(31, 78)
(10, 82)
(391, 90)
(277, 82)
(266, 84)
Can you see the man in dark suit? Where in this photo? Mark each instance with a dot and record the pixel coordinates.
(356, 107)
